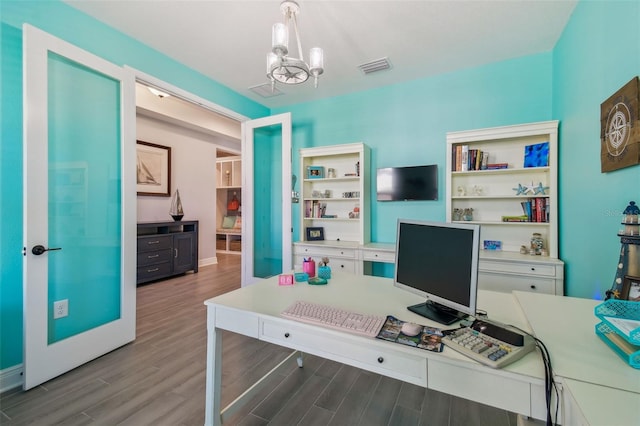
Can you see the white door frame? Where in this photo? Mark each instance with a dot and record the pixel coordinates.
(42, 361)
(248, 128)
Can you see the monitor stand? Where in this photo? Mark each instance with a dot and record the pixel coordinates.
(437, 312)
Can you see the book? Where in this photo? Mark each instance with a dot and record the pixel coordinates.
(494, 166)
(458, 158)
(523, 218)
(485, 161)
(428, 338)
(464, 160)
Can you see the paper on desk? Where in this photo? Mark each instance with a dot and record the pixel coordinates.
(625, 326)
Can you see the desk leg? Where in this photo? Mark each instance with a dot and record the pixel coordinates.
(214, 371)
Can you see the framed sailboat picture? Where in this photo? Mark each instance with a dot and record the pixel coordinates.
(153, 169)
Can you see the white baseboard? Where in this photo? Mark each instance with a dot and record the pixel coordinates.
(11, 378)
(208, 261)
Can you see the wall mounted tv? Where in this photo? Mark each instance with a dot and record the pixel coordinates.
(409, 183)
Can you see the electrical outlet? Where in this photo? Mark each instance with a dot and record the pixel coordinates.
(60, 308)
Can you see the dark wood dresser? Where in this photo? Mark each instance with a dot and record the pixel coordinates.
(166, 249)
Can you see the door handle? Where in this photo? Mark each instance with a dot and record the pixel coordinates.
(38, 250)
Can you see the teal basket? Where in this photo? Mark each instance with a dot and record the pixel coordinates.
(627, 346)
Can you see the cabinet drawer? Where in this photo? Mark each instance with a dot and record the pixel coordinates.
(154, 242)
(517, 268)
(151, 272)
(378, 256)
(508, 283)
(400, 365)
(150, 257)
(336, 264)
(320, 251)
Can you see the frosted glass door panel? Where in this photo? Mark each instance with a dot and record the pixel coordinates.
(267, 237)
(84, 196)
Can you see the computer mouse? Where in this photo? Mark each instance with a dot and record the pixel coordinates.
(411, 329)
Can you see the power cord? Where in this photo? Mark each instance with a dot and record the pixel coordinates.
(551, 387)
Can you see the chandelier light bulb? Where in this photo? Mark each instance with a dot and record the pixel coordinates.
(280, 39)
(316, 60)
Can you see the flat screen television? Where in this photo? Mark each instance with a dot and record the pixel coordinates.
(407, 183)
(439, 261)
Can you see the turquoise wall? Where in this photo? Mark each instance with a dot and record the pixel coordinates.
(598, 53)
(83, 31)
(406, 124)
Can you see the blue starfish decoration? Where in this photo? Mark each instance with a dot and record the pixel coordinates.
(540, 189)
(520, 189)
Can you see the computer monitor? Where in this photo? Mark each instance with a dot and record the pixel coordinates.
(439, 261)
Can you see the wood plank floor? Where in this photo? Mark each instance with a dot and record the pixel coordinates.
(159, 379)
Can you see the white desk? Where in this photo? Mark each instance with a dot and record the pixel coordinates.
(254, 311)
(599, 388)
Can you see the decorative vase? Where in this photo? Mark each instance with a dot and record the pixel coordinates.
(537, 244)
(324, 272)
(467, 214)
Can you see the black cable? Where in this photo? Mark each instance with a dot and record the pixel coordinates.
(551, 387)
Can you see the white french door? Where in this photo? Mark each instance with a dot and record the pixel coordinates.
(266, 197)
(79, 207)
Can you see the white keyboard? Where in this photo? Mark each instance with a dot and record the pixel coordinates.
(488, 350)
(332, 317)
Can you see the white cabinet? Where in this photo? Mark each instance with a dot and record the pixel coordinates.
(511, 190)
(334, 203)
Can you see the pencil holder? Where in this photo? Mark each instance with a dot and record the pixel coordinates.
(309, 266)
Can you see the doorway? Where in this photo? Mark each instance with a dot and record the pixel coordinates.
(197, 132)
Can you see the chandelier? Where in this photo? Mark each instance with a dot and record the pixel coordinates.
(284, 68)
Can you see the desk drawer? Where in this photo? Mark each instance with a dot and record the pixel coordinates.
(508, 283)
(352, 351)
(517, 268)
(378, 256)
(320, 251)
(155, 242)
(152, 257)
(485, 387)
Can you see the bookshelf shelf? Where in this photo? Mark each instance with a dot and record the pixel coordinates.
(500, 223)
(518, 170)
(492, 194)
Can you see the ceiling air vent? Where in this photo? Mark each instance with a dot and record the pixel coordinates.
(375, 66)
(265, 91)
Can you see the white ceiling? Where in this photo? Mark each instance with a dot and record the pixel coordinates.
(228, 40)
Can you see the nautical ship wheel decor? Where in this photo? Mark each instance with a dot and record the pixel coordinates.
(620, 128)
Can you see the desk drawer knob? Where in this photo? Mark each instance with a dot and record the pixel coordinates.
(533, 269)
(533, 286)
(286, 335)
(380, 359)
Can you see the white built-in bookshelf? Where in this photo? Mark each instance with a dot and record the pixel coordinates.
(507, 177)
